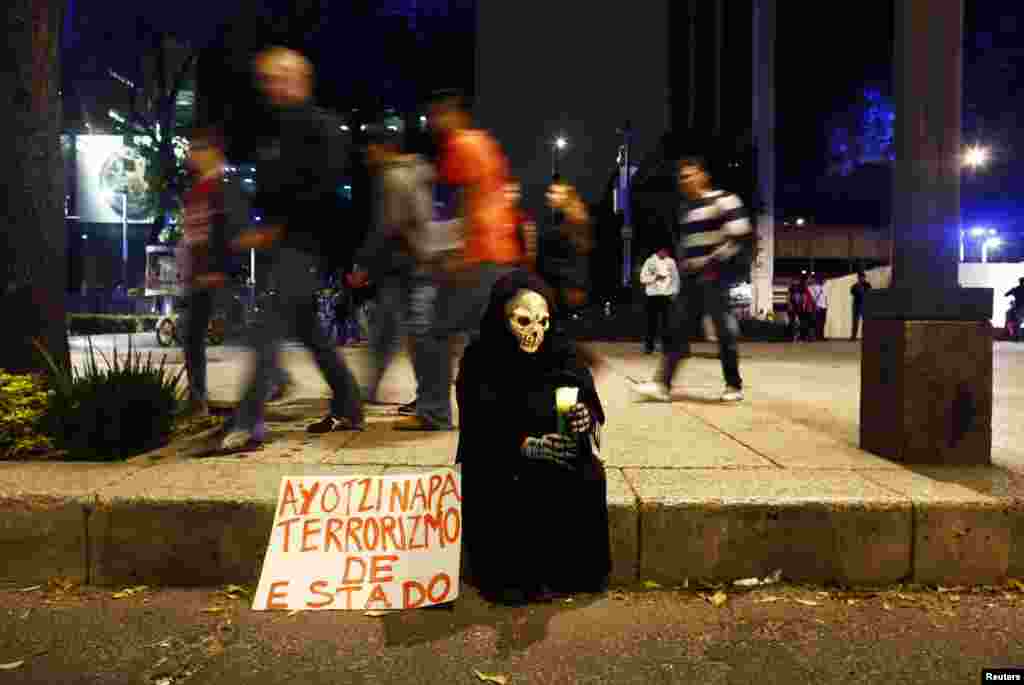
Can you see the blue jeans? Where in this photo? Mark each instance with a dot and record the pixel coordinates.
(293, 312)
(385, 333)
(459, 308)
(695, 297)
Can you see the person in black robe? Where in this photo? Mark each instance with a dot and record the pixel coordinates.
(535, 513)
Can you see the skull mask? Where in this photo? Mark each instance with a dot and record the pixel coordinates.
(528, 319)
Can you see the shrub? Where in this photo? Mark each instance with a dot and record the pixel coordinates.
(23, 402)
(105, 324)
(764, 331)
(114, 413)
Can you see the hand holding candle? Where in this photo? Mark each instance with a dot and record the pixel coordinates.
(565, 400)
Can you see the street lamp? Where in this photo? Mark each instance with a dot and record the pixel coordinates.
(992, 243)
(976, 157)
(556, 148)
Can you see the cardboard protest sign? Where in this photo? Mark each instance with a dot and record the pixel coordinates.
(364, 542)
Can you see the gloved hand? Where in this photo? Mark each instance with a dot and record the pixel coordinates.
(579, 418)
(560, 450)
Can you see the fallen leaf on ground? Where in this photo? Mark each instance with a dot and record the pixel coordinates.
(807, 602)
(1016, 584)
(887, 606)
(954, 598)
(61, 584)
(747, 582)
(235, 591)
(12, 665)
(768, 599)
(717, 599)
(651, 585)
(488, 678)
(213, 610)
(851, 602)
(129, 591)
(30, 589)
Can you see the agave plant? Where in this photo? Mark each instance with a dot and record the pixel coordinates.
(104, 414)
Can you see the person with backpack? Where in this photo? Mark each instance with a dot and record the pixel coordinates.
(302, 163)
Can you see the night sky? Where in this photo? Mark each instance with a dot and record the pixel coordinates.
(852, 40)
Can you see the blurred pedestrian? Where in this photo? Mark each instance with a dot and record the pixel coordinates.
(301, 166)
(566, 248)
(858, 291)
(817, 289)
(403, 186)
(205, 253)
(471, 162)
(526, 227)
(711, 224)
(660, 277)
(801, 309)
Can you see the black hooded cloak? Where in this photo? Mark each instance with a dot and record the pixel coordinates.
(527, 525)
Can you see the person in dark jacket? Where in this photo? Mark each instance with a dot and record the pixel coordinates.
(548, 529)
(566, 247)
(857, 291)
(300, 162)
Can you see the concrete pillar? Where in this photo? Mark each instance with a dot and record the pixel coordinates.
(926, 373)
(763, 268)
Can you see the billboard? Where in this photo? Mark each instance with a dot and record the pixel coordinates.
(111, 178)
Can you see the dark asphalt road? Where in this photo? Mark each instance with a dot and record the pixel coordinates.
(773, 635)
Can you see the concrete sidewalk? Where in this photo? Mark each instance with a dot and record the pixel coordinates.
(697, 489)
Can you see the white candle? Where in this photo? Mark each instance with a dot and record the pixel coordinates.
(565, 399)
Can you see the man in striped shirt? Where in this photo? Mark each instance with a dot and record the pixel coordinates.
(710, 225)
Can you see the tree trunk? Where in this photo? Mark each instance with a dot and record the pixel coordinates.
(33, 239)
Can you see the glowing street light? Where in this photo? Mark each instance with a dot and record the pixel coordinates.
(559, 144)
(978, 231)
(976, 157)
(993, 243)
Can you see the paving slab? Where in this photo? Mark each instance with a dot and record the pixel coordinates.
(190, 523)
(817, 526)
(381, 444)
(44, 508)
(968, 521)
(793, 446)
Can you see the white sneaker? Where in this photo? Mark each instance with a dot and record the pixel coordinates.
(732, 394)
(653, 390)
(236, 440)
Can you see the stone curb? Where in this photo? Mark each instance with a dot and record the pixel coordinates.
(115, 537)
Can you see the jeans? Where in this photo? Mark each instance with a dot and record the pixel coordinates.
(858, 313)
(460, 306)
(385, 333)
(294, 312)
(199, 309)
(657, 318)
(694, 299)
